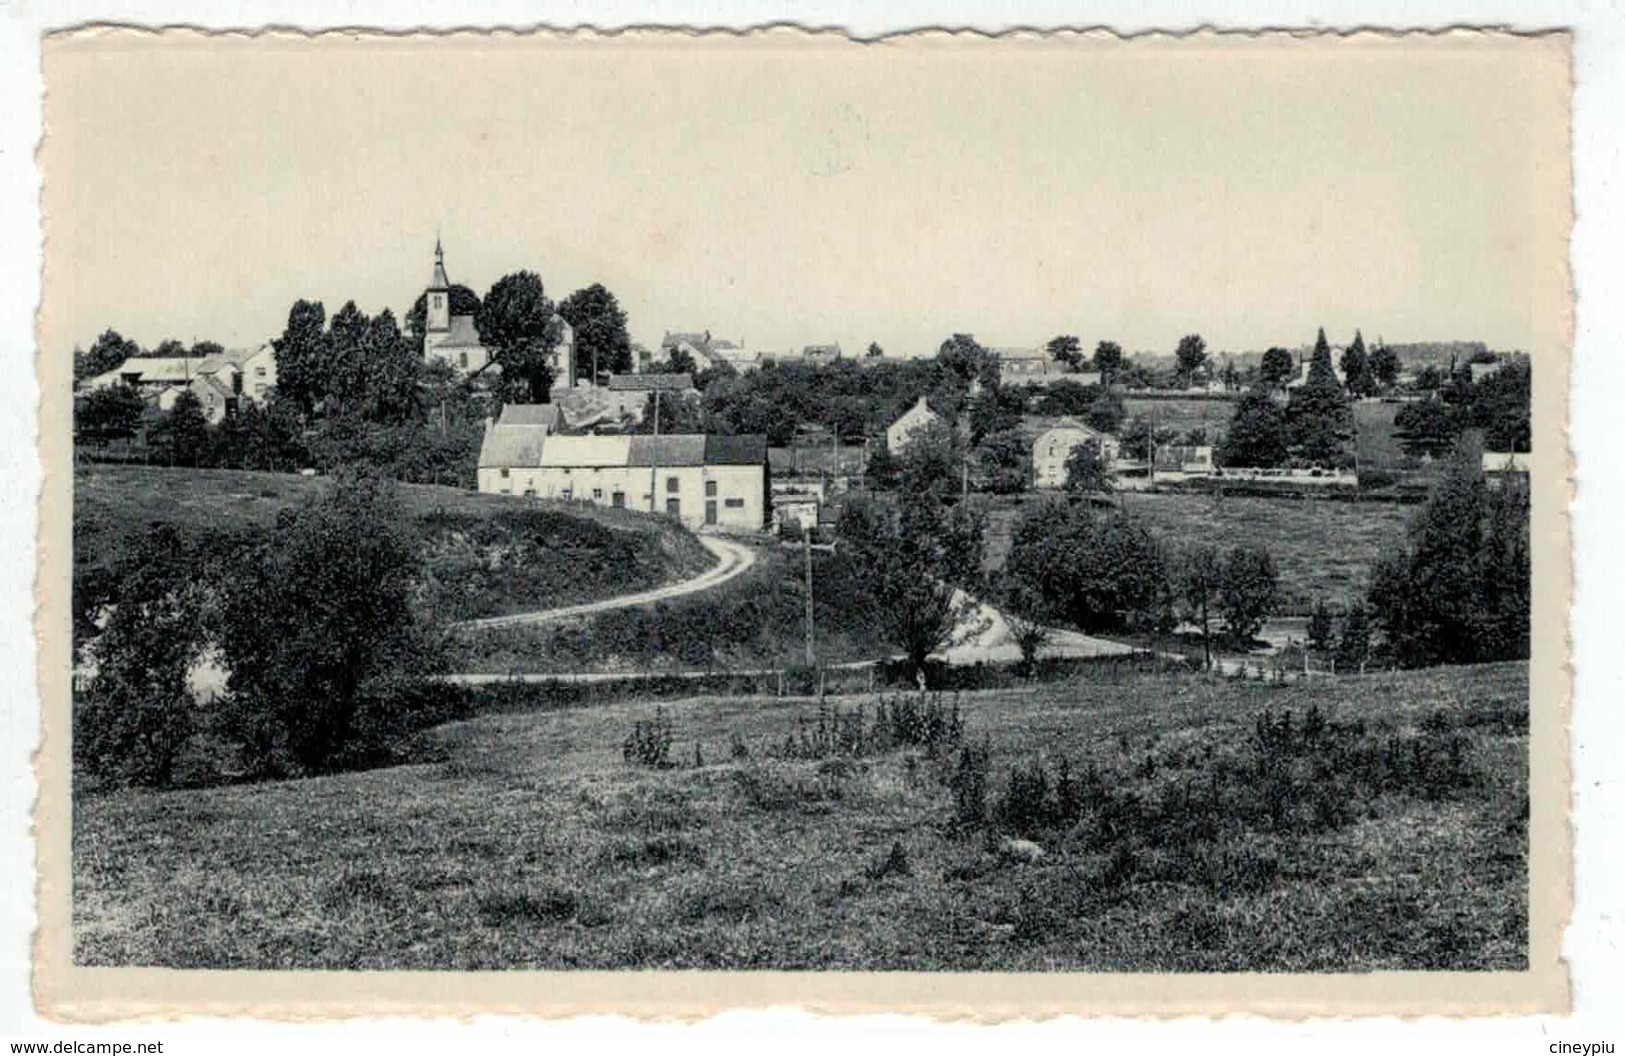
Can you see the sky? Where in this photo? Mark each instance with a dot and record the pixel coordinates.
(787, 190)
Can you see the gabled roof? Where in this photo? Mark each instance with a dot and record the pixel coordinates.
(921, 411)
(675, 450)
(674, 338)
(155, 371)
(209, 381)
(735, 450)
(508, 445)
(1071, 425)
(461, 334)
(545, 415)
(650, 382)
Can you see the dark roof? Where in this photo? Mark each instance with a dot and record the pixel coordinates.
(675, 450)
(736, 450)
(461, 333)
(541, 414)
(650, 382)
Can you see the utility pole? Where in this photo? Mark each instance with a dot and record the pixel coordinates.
(806, 550)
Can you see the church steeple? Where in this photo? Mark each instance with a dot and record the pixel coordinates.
(437, 309)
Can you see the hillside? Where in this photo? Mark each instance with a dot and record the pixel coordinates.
(483, 555)
(1386, 829)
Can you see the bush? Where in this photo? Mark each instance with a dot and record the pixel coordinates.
(136, 716)
(319, 634)
(649, 743)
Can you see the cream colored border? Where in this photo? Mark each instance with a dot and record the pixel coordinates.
(101, 994)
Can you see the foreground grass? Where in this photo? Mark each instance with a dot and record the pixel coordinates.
(524, 840)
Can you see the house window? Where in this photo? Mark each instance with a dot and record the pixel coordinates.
(504, 474)
(671, 484)
(710, 489)
(734, 504)
(598, 493)
(462, 359)
(618, 500)
(259, 372)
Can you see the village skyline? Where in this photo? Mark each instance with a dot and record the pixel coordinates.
(1124, 212)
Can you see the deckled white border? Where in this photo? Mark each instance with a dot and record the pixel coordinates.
(1597, 937)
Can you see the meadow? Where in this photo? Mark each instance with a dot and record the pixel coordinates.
(1322, 549)
(1170, 822)
(483, 555)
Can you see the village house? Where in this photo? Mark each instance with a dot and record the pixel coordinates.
(220, 382)
(1182, 460)
(901, 432)
(1035, 366)
(705, 482)
(1053, 446)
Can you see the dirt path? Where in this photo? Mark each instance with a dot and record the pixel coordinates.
(732, 559)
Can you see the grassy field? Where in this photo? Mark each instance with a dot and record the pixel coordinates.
(1184, 415)
(1321, 549)
(1385, 830)
(482, 554)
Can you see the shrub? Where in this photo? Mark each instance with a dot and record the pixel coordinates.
(649, 743)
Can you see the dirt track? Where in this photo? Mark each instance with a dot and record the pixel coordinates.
(732, 559)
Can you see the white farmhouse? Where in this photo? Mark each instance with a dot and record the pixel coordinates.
(1054, 445)
(705, 482)
(901, 432)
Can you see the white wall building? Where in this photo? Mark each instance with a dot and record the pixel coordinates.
(706, 482)
(901, 432)
(1054, 445)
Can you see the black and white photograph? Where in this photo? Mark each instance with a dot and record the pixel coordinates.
(1050, 508)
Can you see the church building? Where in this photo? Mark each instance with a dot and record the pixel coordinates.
(455, 340)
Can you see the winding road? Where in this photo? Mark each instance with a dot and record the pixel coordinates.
(733, 559)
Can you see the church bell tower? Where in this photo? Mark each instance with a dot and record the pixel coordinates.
(437, 312)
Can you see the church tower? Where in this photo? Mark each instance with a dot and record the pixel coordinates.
(437, 312)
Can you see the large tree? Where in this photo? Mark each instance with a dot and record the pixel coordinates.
(1201, 572)
(181, 436)
(1102, 571)
(1086, 469)
(391, 371)
(1107, 412)
(1108, 360)
(1357, 368)
(518, 324)
(136, 715)
(108, 351)
(602, 344)
(109, 413)
(1427, 427)
(1067, 350)
(911, 556)
(1248, 589)
(1257, 436)
(1319, 420)
(317, 624)
(968, 360)
(302, 354)
(1276, 368)
(1458, 590)
(1384, 365)
(1190, 356)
